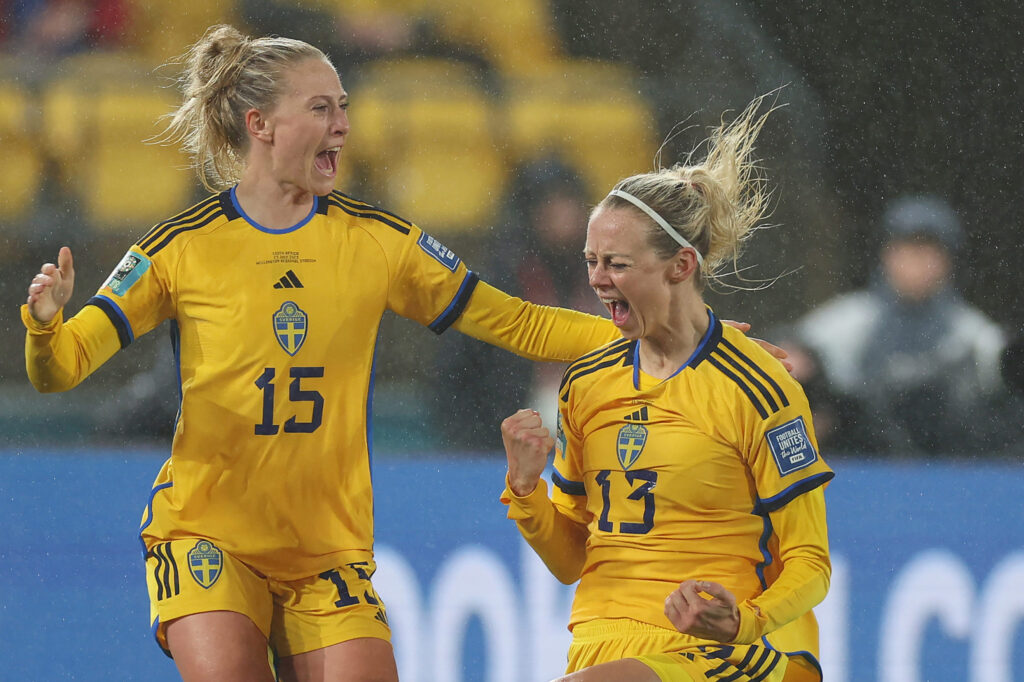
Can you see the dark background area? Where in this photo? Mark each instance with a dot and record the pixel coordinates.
(881, 99)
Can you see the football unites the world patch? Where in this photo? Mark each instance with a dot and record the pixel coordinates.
(791, 446)
(205, 562)
(290, 326)
(127, 272)
(438, 251)
(630, 443)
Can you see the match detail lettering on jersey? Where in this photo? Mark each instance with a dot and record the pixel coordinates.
(630, 443)
(290, 325)
(127, 273)
(791, 446)
(205, 562)
(438, 251)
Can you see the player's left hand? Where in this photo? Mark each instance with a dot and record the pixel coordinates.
(715, 617)
(776, 352)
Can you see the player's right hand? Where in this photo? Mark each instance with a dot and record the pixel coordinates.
(51, 288)
(527, 444)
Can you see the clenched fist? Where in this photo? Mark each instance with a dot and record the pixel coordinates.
(527, 444)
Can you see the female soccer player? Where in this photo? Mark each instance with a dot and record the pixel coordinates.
(688, 489)
(260, 525)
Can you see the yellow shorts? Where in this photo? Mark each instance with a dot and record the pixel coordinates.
(191, 576)
(673, 656)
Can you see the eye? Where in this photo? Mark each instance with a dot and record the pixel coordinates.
(618, 266)
(320, 108)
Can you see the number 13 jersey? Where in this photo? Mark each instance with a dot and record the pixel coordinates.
(676, 478)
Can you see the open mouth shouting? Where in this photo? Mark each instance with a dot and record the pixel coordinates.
(327, 161)
(619, 310)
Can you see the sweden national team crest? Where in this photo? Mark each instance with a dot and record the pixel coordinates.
(630, 443)
(290, 325)
(205, 562)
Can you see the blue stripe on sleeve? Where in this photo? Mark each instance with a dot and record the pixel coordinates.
(779, 501)
(566, 486)
(117, 318)
(458, 304)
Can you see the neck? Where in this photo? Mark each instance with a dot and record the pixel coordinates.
(664, 351)
(271, 203)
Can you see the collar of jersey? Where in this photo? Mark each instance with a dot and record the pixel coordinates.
(261, 228)
(697, 353)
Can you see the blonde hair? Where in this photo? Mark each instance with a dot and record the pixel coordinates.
(715, 204)
(225, 75)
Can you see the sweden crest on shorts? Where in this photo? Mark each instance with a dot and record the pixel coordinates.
(205, 562)
(630, 443)
(290, 325)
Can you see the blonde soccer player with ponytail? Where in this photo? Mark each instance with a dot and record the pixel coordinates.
(688, 496)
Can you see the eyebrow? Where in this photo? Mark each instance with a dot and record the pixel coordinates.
(588, 252)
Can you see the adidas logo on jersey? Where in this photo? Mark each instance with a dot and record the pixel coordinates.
(638, 416)
(289, 281)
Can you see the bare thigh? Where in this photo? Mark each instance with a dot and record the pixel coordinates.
(625, 670)
(366, 659)
(219, 646)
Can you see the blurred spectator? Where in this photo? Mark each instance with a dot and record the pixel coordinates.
(921, 362)
(350, 36)
(56, 28)
(841, 426)
(531, 254)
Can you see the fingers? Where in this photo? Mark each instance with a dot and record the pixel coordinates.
(525, 425)
(742, 326)
(527, 444)
(779, 354)
(715, 590)
(65, 262)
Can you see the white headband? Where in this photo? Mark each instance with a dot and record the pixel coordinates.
(658, 219)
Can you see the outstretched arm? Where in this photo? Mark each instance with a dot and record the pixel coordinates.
(533, 331)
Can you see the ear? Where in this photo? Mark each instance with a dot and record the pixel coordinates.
(258, 126)
(683, 265)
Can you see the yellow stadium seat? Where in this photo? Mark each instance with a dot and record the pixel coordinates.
(22, 167)
(164, 30)
(106, 158)
(425, 133)
(517, 36)
(587, 112)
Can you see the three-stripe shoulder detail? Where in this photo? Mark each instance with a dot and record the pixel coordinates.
(200, 215)
(761, 389)
(617, 353)
(361, 209)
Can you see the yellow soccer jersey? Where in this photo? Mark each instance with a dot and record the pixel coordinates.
(276, 331)
(677, 479)
(274, 336)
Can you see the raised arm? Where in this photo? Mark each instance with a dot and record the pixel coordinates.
(559, 541)
(58, 355)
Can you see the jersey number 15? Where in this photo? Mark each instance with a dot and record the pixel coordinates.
(296, 394)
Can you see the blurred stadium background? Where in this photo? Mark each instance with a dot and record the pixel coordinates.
(449, 98)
